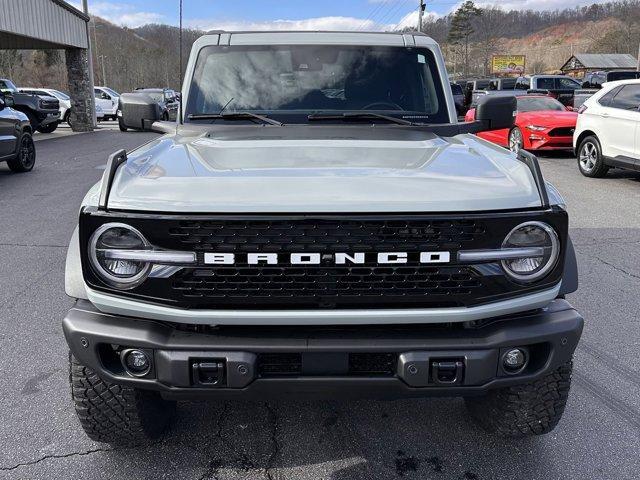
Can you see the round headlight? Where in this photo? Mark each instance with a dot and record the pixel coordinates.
(528, 235)
(118, 273)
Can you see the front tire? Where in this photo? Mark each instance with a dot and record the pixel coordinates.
(122, 126)
(533, 408)
(25, 157)
(49, 128)
(516, 141)
(590, 161)
(116, 414)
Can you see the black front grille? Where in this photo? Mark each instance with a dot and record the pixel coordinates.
(276, 236)
(326, 285)
(562, 132)
(50, 104)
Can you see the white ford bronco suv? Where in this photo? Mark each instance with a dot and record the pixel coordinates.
(318, 224)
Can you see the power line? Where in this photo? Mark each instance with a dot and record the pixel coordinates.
(394, 10)
(372, 14)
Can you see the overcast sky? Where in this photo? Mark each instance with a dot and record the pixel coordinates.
(292, 14)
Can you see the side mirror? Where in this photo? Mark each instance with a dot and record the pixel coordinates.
(496, 112)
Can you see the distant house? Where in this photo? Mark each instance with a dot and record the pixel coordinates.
(581, 63)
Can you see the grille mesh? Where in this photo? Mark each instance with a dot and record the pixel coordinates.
(562, 132)
(326, 285)
(324, 235)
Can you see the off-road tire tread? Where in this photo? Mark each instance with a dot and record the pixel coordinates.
(530, 409)
(116, 414)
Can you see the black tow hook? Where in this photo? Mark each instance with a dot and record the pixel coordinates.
(447, 372)
(208, 374)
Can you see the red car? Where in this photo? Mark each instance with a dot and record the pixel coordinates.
(542, 123)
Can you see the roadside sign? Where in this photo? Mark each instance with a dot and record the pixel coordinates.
(508, 64)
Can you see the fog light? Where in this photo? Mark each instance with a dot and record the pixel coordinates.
(137, 362)
(514, 360)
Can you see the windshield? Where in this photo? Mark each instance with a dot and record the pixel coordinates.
(113, 93)
(60, 95)
(613, 76)
(7, 86)
(534, 104)
(286, 80)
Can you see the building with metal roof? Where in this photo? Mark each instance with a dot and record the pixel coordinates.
(54, 24)
(581, 63)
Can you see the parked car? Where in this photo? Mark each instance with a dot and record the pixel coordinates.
(138, 110)
(16, 143)
(43, 111)
(107, 99)
(63, 99)
(542, 123)
(597, 79)
(506, 83)
(165, 97)
(472, 85)
(458, 98)
(560, 87)
(608, 129)
(580, 96)
(319, 224)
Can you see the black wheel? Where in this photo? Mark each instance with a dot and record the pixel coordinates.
(590, 161)
(25, 157)
(515, 140)
(116, 414)
(530, 409)
(122, 126)
(67, 117)
(49, 128)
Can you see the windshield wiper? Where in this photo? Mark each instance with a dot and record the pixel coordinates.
(357, 115)
(234, 116)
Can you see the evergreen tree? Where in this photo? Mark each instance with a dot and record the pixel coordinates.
(462, 29)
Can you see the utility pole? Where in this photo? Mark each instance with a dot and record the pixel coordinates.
(92, 100)
(639, 58)
(421, 10)
(104, 75)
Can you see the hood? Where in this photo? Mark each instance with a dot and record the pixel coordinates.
(321, 169)
(552, 118)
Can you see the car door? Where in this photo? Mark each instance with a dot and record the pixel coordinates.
(103, 100)
(8, 137)
(621, 119)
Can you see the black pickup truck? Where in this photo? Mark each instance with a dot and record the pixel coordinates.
(43, 111)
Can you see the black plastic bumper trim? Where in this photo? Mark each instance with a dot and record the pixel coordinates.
(87, 331)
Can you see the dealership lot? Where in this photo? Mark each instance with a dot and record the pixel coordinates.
(599, 436)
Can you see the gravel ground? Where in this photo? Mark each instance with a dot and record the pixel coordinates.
(598, 438)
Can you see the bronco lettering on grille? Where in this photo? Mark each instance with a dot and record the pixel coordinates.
(357, 258)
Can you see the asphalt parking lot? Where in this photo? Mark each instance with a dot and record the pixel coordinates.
(40, 438)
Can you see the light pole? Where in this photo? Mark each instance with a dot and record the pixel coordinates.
(104, 74)
(421, 10)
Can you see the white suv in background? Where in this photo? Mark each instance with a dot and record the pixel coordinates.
(107, 99)
(608, 130)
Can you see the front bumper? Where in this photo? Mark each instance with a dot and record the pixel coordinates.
(50, 118)
(543, 141)
(324, 362)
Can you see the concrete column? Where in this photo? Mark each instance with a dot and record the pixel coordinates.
(80, 90)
